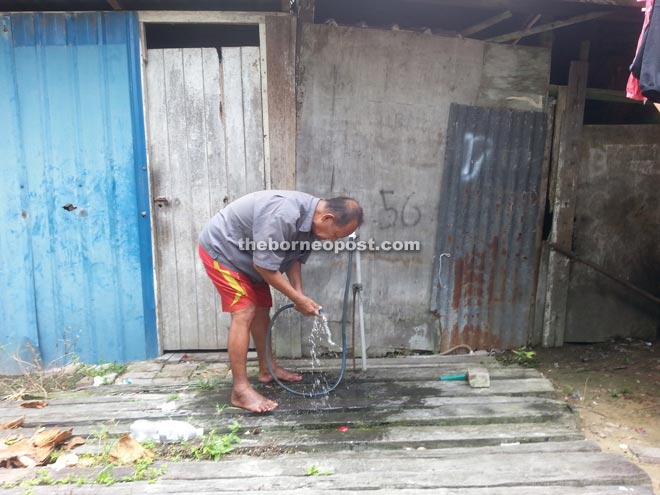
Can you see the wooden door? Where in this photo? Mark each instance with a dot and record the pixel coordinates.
(206, 148)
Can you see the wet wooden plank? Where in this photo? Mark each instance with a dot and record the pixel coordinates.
(451, 413)
(386, 437)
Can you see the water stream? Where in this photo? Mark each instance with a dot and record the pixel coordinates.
(319, 338)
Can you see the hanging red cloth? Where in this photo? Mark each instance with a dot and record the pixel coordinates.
(632, 88)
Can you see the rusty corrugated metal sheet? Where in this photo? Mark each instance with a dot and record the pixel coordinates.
(487, 224)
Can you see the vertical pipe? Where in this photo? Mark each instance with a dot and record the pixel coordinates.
(358, 280)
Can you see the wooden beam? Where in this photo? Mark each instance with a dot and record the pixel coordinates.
(617, 3)
(491, 21)
(528, 26)
(539, 6)
(574, 257)
(281, 51)
(615, 96)
(538, 278)
(265, 116)
(115, 4)
(547, 27)
(205, 17)
(306, 10)
(554, 321)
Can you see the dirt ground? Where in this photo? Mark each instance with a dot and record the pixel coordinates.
(615, 388)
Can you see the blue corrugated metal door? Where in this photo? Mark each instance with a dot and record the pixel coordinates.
(75, 250)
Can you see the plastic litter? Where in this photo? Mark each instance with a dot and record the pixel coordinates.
(105, 379)
(164, 431)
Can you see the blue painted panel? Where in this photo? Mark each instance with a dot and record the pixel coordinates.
(75, 121)
(18, 325)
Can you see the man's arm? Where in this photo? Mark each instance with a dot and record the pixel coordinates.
(294, 274)
(302, 303)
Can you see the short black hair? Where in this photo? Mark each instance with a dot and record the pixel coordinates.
(345, 210)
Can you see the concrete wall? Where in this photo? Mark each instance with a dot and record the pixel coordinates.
(372, 120)
(616, 226)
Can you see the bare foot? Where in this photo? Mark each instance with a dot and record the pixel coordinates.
(282, 374)
(248, 398)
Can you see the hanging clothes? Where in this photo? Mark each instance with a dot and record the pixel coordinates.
(649, 78)
(633, 88)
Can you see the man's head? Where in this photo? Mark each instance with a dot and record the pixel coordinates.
(336, 218)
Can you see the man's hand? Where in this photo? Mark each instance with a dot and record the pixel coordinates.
(302, 303)
(307, 306)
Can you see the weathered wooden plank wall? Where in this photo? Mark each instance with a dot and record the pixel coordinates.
(206, 149)
(281, 48)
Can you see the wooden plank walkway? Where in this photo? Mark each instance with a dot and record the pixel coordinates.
(408, 433)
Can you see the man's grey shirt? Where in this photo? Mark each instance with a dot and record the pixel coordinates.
(260, 216)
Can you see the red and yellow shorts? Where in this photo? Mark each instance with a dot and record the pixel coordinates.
(236, 290)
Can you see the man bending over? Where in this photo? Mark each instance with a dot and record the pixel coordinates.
(243, 275)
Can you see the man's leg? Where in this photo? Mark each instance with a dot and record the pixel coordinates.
(259, 330)
(243, 395)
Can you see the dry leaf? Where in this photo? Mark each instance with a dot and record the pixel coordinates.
(35, 404)
(16, 423)
(51, 437)
(18, 455)
(20, 448)
(74, 442)
(41, 455)
(128, 451)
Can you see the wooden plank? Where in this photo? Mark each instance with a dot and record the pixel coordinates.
(432, 373)
(306, 10)
(560, 113)
(386, 437)
(252, 119)
(506, 470)
(413, 361)
(159, 161)
(534, 19)
(200, 329)
(540, 268)
(281, 102)
(207, 417)
(263, 57)
(491, 21)
(205, 17)
(374, 410)
(564, 206)
(393, 455)
(217, 175)
(547, 27)
(180, 201)
(233, 117)
(195, 488)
